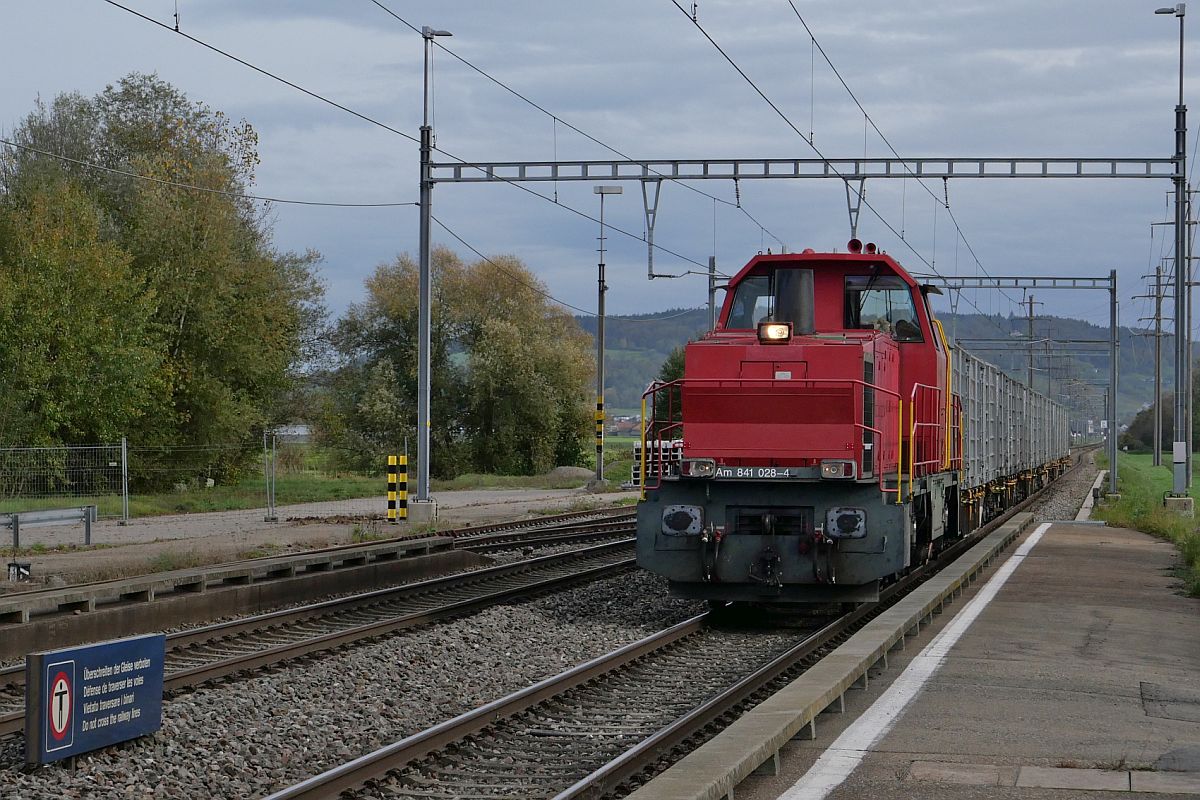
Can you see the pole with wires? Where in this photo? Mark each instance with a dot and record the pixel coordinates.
(601, 289)
(424, 316)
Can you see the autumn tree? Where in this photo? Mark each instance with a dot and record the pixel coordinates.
(226, 316)
(79, 355)
(509, 369)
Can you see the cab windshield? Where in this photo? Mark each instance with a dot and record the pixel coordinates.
(753, 302)
(883, 303)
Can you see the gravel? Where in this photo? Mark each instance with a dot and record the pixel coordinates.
(247, 738)
(1065, 495)
(250, 737)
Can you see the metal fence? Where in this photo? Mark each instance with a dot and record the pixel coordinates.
(283, 473)
(33, 478)
(307, 482)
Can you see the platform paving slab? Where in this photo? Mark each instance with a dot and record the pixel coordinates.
(1166, 782)
(1063, 678)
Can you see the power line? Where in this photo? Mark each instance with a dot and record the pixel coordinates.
(867, 117)
(533, 287)
(262, 71)
(514, 276)
(193, 187)
(387, 127)
(567, 124)
(829, 165)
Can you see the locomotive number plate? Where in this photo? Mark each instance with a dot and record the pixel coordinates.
(757, 473)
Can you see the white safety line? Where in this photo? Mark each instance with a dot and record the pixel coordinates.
(849, 749)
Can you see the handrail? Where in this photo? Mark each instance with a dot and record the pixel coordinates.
(949, 388)
(649, 403)
(923, 391)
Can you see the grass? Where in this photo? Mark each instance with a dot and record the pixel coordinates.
(478, 481)
(1142, 486)
(369, 533)
(177, 559)
(303, 486)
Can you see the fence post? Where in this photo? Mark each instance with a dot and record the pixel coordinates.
(124, 481)
(391, 490)
(269, 477)
(16, 523)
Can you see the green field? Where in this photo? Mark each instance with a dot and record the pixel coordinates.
(306, 486)
(1142, 486)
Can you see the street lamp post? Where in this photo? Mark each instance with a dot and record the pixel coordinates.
(1181, 447)
(424, 324)
(601, 289)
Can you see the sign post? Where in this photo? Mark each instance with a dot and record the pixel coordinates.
(85, 698)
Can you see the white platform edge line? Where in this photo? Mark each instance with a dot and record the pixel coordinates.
(847, 751)
(1089, 502)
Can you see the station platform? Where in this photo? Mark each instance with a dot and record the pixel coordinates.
(1079, 678)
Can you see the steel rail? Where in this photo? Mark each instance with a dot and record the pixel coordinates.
(355, 773)
(484, 533)
(14, 677)
(374, 765)
(575, 533)
(329, 641)
(635, 760)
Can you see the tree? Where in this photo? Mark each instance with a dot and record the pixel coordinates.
(77, 343)
(509, 370)
(230, 319)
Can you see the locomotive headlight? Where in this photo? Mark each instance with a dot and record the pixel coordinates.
(697, 468)
(774, 332)
(838, 469)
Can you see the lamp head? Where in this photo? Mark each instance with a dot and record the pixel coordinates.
(429, 32)
(608, 189)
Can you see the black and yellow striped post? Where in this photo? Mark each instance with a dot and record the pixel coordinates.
(397, 488)
(402, 489)
(600, 438)
(391, 475)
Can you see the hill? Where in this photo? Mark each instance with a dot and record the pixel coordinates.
(637, 346)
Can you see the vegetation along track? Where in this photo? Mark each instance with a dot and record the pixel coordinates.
(203, 654)
(595, 727)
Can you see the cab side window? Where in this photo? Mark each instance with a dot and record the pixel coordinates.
(882, 303)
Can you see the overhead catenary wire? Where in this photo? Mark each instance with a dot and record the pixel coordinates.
(464, 162)
(195, 188)
(514, 276)
(559, 120)
(533, 287)
(868, 120)
(829, 165)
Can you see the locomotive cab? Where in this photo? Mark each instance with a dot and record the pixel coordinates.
(815, 437)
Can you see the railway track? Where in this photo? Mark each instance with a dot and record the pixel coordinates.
(590, 730)
(203, 654)
(575, 526)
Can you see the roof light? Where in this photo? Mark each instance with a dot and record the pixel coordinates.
(774, 332)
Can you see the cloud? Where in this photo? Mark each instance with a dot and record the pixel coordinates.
(1079, 77)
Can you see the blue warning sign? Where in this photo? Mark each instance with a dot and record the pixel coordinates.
(85, 698)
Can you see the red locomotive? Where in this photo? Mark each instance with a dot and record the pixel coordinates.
(823, 437)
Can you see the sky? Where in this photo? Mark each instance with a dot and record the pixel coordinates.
(1005, 78)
